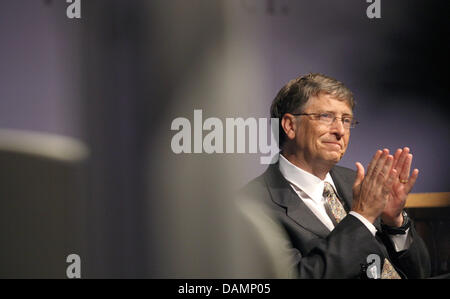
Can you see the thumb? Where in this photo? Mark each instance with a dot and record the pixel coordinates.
(359, 175)
(356, 205)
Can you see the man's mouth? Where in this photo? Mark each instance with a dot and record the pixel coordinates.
(333, 143)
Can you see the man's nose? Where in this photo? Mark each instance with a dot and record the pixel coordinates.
(337, 128)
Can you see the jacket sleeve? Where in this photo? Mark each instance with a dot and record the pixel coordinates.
(413, 262)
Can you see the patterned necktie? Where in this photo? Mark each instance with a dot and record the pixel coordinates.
(338, 212)
(388, 271)
(333, 203)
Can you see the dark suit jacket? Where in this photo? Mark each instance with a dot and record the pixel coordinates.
(341, 253)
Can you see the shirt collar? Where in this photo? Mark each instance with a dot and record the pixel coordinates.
(303, 180)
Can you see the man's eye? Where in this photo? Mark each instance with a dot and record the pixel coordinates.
(326, 115)
(347, 120)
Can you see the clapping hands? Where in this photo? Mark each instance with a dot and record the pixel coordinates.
(383, 190)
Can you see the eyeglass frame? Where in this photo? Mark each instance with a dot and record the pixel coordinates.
(352, 125)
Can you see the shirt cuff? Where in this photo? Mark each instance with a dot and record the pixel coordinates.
(401, 242)
(366, 222)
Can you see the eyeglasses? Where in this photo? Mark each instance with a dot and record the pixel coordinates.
(329, 118)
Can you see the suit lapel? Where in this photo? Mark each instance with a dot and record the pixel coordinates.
(343, 186)
(283, 195)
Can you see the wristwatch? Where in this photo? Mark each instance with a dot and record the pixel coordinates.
(392, 230)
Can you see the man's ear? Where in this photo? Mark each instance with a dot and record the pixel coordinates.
(289, 125)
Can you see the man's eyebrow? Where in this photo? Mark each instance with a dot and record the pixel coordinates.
(343, 114)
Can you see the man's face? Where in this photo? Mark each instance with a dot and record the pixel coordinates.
(319, 143)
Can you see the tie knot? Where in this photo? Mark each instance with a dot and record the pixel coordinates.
(328, 189)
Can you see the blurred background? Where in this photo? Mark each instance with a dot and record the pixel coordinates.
(86, 107)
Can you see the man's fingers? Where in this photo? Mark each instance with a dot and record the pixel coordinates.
(412, 180)
(404, 173)
(396, 157)
(393, 174)
(384, 173)
(378, 168)
(402, 159)
(373, 163)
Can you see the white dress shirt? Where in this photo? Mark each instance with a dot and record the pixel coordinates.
(310, 190)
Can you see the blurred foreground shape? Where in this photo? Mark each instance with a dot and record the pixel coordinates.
(42, 194)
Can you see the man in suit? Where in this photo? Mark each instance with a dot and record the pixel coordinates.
(338, 223)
